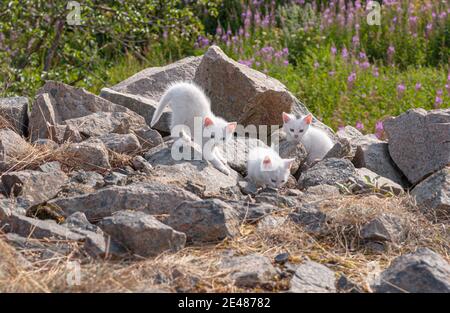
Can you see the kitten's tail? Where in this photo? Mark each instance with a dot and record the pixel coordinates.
(165, 100)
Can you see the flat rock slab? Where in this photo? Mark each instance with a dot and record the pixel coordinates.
(419, 141)
(142, 234)
(373, 179)
(249, 271)
(423, 271)
(327, 172)
(186, 173)
(151, 198)
(209, 220)
(312, 277)
(39, 229)
(34, 186)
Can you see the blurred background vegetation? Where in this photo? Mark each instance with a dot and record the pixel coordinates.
(346, 71)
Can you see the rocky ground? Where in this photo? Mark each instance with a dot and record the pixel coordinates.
(91, 199)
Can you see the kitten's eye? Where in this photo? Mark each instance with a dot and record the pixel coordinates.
(273, 180)
(212, 136)
(292, 130)
(301, 130)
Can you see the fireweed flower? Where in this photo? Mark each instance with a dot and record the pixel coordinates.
(351, 80)
(285, 62)
(365, 65)
(345, 53)
(316, 64)
(401, 89)
(359, 125)
(418, 86)
(375, 72)
(379, 126)
(379, 129)
(333, 50)
(390, 54)
(437, 102)
(331, 73)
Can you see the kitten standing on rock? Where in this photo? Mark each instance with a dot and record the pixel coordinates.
(315, 140)
(188, 103)
(267, 169)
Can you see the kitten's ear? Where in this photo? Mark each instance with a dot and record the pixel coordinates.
(286, 117)
(308, 119)
(267, 162)
(231, 127)
(288, 162)
(208, 122)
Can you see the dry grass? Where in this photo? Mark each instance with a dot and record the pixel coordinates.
(37, 155)
(195, 268)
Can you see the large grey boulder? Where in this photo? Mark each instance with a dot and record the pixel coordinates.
(204, 221)
(433, 193)
(312, 277)
(142, 91)
(423, 271)
(151, 198)
(14, 111)
(12, 148)
(142, 234)
(249, 97)
(419, 141)
(34, 186)
(249, 271)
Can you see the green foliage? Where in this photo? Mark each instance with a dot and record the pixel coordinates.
(38, 44)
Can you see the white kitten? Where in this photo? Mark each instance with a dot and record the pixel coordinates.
(266, 168)
(315, 140)
(189, 102)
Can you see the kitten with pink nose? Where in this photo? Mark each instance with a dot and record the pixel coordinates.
(315, 140)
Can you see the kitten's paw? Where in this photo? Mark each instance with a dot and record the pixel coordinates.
(226, 171)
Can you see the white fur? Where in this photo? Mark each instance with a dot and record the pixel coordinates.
(274, 174)
(315, 140)
(187, 102)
